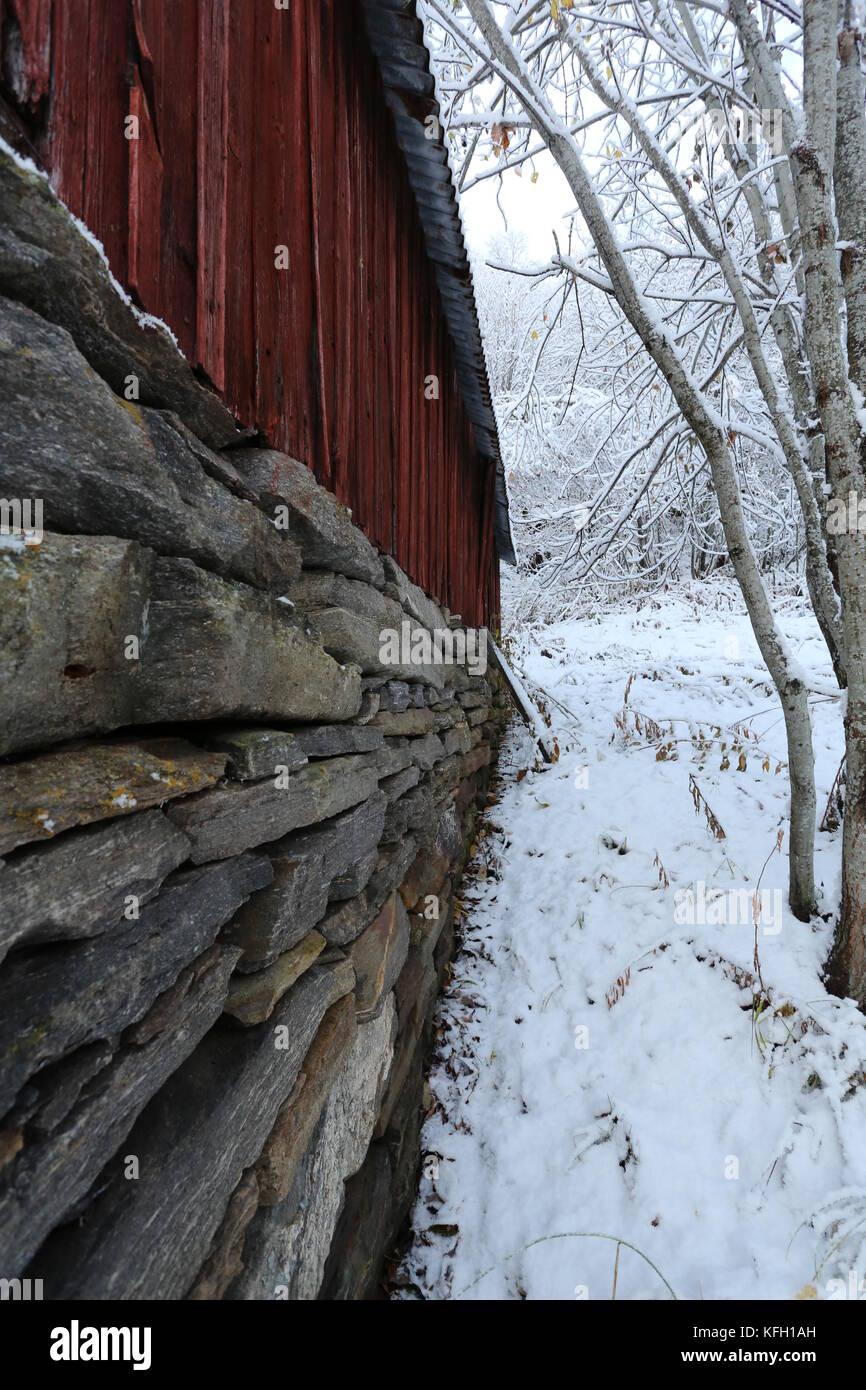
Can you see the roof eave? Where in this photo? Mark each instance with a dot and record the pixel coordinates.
(396, 37)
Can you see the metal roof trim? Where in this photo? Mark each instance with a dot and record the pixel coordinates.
(396, 36)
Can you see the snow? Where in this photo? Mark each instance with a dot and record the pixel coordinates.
(530, 711)
(145, 320)
(859, 405)
(598, 1065)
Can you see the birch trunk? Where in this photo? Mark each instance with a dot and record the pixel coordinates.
(709, 430)
(808, 470)
(818, 575)
(814, 159)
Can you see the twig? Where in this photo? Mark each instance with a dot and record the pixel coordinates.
(830, 818)
(570, 1235)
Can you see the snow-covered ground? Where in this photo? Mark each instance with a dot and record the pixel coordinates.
(599, 1064)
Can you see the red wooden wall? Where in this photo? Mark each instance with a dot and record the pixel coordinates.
(261, 127)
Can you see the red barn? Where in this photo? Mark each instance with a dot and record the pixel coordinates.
(269, 177)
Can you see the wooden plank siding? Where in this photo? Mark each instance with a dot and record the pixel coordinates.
(262, 127)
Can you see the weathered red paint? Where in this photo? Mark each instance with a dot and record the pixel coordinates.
(34, 22)
(261, 128)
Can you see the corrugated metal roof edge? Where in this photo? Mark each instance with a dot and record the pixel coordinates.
(396, 37)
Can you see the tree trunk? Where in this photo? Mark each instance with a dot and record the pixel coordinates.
(710, 433)
(814, 160)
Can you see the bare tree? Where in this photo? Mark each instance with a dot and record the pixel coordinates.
(610, 91)
(507, 49)
(827, 160)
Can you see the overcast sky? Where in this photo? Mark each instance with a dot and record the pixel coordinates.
(531, 209)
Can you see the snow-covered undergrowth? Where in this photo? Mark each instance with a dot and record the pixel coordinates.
(603, 1063)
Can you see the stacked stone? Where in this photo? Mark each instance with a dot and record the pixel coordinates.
(230, 831)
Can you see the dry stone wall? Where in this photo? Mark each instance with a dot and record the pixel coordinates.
(230, 832)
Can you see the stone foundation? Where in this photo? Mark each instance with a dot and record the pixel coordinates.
(230, 833)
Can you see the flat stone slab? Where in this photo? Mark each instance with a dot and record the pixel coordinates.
(305, 866)
(287, 1244)
(352, 637)
(253, 998)
(207, 1124)
(280, 916)
(104, 466)
(434, 861)
(48, 264)
(476, 695)
(287, 1142)
(314, 590)
(448, 719)
(394, 696)
(355, 879)
(395, 786)
(412, 599)
(43, 796)
(427, 751)
(344, 922)
(224, 1260)
(395, 755)
(378, 956)
(413, 811)
(409, 723)
(332, 740)
(256, 753)
(425, 929)
(346, 839)
(457, 740)
(84, 596)
(216, 650)
(54, 1001)
(92, 874)
(129, 637)
(222, 822)
(63, 1152)
(320, 525)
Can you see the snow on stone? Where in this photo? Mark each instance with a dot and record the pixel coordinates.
(146, 320)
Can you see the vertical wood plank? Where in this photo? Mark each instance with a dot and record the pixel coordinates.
(212, 161)
(240, 344)
(106, 173)
(67, 126)
(145, 201)
(167, 39)
(34, 23)
(320, 81)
